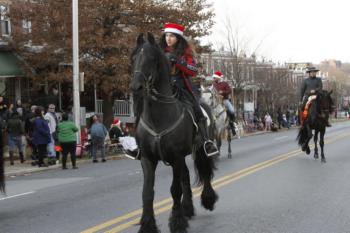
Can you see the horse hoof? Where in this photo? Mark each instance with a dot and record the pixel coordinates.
(307, 150)
(323, 160)
(229, 156)
(177, 223)
(316, 156)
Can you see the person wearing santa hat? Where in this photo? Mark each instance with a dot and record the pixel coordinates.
(115, 131)
(224, 89)
(183, 67)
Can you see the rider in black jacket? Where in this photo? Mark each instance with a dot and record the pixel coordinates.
(310, 86)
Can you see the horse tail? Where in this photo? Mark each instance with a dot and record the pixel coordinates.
(302, 136)
(205, 167)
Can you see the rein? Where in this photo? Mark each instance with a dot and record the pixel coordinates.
(158, 136)
(154, 94)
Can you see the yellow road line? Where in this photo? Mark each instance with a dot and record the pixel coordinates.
(218, 183)
(226, 181)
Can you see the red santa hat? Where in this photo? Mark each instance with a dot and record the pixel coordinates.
(116, 121)
(218, 74)
(174, 28)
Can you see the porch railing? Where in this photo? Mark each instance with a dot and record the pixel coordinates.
(123, 109)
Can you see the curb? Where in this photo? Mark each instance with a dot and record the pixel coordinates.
(120, 156)
(36, 169)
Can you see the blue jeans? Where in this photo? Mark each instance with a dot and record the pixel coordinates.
(229, 106)
(98, 144)
(15, 142)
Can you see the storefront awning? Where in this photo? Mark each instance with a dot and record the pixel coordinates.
(9, 65)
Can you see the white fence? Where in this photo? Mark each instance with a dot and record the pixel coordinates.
(123, 109)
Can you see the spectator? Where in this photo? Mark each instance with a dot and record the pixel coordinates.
(41, 136)
(124, 127)
(52, 120)
(20, 109)
(279, 117)
(68, 140)
(285, 123)
(9, 111)
(288, 118)
(268, 122)
(98, 134)
(115, 131)
(28, 129)
(15, 132)
(3, 108)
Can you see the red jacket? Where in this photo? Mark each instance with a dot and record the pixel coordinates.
(186, 67)
(223, 88)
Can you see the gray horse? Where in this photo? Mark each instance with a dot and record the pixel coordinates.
(214, 100)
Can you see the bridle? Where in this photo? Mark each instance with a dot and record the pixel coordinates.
(155, 95)
(150, 89)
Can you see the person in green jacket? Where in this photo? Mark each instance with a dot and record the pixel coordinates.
(68, 140)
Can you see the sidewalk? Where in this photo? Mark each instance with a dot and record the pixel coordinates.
(26, 168)
(19, 169)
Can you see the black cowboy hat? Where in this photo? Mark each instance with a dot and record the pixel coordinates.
(311, 69)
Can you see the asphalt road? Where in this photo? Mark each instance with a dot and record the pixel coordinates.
(267, 186)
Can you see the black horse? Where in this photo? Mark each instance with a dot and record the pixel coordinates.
(317, 120)
(165, 132)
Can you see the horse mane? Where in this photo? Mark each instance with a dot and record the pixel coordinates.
(322, 97)
(163, 68)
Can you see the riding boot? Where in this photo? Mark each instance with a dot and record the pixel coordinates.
(231, 123)
(209, 146)
(21, 157)
(11, 158)
(232, 127)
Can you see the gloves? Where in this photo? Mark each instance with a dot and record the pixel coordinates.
(171, 58)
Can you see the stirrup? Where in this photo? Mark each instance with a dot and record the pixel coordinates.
(213, 153)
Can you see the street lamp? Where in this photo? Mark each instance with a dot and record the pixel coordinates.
(76, 96)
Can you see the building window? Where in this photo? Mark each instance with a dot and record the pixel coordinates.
(5, 27)
(27, 26)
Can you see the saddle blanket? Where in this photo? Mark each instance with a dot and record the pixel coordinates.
(307, 107)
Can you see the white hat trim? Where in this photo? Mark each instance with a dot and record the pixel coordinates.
(216, 76)
(173, 30)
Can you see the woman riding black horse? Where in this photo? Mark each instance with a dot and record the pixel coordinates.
(165, 132)
(183, 68)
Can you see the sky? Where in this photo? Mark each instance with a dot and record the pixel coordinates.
(286, 30)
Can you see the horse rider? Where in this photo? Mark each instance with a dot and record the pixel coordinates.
(224, 89)
(309, 88)
(183, 66)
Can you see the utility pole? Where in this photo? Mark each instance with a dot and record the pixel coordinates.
(76, 93)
